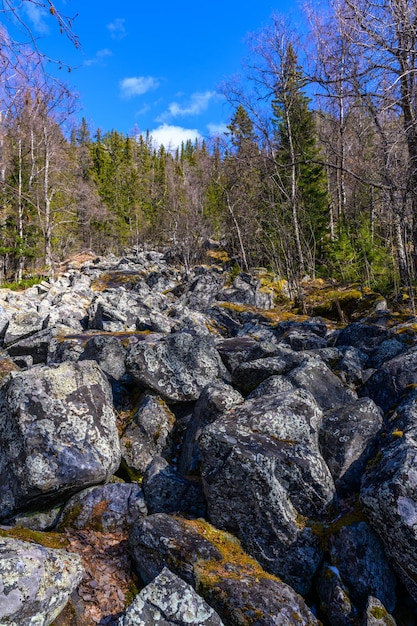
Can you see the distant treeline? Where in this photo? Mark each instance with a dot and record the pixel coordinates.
(316, 176)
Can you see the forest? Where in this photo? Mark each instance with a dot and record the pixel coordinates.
(316, 176)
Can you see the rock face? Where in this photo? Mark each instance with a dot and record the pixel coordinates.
(59, 434)
(389, 492)
(248, 459)
(178, 366)
(265, 451)
(36, 582)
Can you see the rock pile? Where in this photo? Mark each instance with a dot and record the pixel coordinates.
(257, 470)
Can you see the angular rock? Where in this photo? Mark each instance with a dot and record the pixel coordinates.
(214, 400)
(169, 600)
(23, 324)
(110, 312)
(213, 563)
(247, 290)
(35, 582)
(177, 367)
(376, 614)
(270, 386)
(334, 598)
(265, 451)
(37, 345)
(302, 340)
(364, 336)
(389, 493)
(352, 367)
(109, 353)
(168, 492)
(250, 374)
(202, 291)
(148, 435)
(328, 390)
(59, 434)
(358, 554)
(313, 325)
(348, 439)
(105, 508)
(396, 376)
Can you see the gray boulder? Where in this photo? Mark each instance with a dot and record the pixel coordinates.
(149, 434)
(202, 291)
(35, 582)
(265, 452)
(391, 381)
(215, 399)
(348, 438)
(58, 432)
(247, 290)
(389, 493)
(328, 390)
(334, 598)
(109, 353)
(359, 556)
(177, 367)
(166, 491)
(105, 508)
(169, 600)
(214, 564)
(112, 311)
(22, 324)
(247, 376)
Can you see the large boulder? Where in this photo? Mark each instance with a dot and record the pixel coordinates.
(391, 381)
(109, 353)
(359, 557)
(177, 367)
(317, 378)
(214, 400)
(214, 564)
(149, 434)
(265, 452)
(104, 508)
(348, 439)
(35, 582)
(58, 432)
(166, 491)
(389, 493)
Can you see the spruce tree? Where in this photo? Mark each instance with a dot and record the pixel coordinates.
(301, 180)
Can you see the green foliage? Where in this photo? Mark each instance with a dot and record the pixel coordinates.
(359, 255)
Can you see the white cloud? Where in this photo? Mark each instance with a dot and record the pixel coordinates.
(172, 136)
(137, 85)
(37, 15)
(100, 55)
(198, 103)
(217, 129)
(117, 28)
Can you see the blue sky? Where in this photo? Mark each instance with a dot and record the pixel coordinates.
(155, 65)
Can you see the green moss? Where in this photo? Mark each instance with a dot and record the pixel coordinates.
(234, 564)
(129, 474)
(379, 612)
(115, 279)
(46, 539)
(325, 530)
(70, 516)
